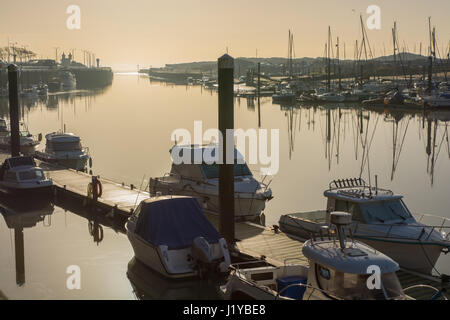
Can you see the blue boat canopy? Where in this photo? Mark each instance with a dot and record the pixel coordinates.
(174, 222)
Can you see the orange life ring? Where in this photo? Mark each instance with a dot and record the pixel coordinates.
(98, 188)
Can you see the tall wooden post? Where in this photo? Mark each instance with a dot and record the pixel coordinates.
(20, 256)
(13, 76)
(226, 169)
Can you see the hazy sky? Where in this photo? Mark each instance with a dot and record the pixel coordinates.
(152, 32)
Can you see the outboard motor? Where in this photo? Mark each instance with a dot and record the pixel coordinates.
(201, 250)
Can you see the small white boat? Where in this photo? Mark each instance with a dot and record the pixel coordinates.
(331, 97)
(19, 175)
(337, 269)
(202, 181)
(64, 149)
(284, 96)
(28, 142)
(380, 219)
(172, 236)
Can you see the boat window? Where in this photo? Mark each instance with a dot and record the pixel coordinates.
(211, 171)
(354, 286)
(65, 146)
(382, 211)
(31, 175)
(324, 273)
(350, 207)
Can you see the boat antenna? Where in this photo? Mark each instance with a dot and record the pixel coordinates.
(139, 191)
(340, 219)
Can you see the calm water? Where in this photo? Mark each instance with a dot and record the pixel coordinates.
(128, 126)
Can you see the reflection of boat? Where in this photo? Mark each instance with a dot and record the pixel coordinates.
(20, 175)
(172, 236)
(25, 214)
(64, 149)
(380, 219)
(202, 181)
(28, 142)
(147, 284)
(68, 80)
(339, 269)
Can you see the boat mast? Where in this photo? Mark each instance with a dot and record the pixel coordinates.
(329, 60)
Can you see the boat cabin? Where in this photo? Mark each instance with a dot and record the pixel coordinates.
(197, 162)
(366, 204)
(57, 142)
(21, 169)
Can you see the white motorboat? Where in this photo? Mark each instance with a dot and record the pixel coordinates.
(28, 142)
(437, 100)
(202, 181)
(380, 219)
(284, 96)
(19, 175)
(64, 149)
(331, 97)
(337, 269)
(172, 236)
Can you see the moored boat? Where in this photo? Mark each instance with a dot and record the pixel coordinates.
(201, 180)
(337, 269)
(172, 236)
(20, 175)
(64, 149)
(380, 219)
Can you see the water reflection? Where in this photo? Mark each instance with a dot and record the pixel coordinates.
(338, 123)
(148, 284)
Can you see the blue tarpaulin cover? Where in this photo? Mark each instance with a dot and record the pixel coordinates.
(174, 222)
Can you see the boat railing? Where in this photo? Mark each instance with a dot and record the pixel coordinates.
(388, 232)
(356, 187)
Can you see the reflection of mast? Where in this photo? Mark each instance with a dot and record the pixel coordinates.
(431, 146)
(395, 141)
(291, 126)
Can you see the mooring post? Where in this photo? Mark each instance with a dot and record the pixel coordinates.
(226, 169)
(13, 76)
(20, 256)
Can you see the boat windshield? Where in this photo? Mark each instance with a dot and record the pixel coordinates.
(356, 286)
(382, 211)
(65, 146)
(35, 174)
(211, 171)
(25, 133)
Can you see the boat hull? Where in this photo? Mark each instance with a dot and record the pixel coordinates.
(412, 255)
(150, 256)
(78, 164)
